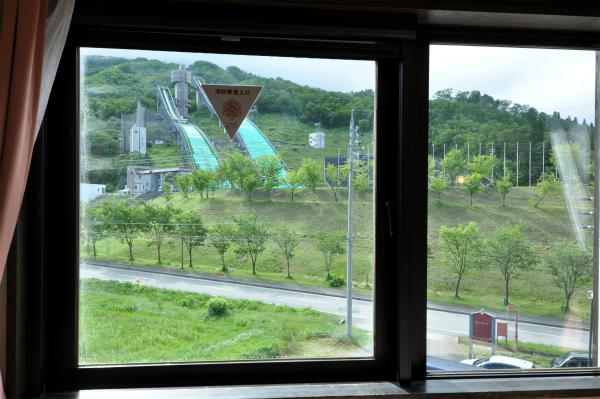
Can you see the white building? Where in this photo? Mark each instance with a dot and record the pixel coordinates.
(317, 140)
(88, 191)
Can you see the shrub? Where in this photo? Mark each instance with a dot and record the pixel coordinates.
(334, 281)
(217, 307)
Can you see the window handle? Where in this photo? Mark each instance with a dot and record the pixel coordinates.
(388, 205)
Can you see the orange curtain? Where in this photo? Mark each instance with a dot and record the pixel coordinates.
(22, 30)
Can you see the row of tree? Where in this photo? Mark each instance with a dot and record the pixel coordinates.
(128, 222)
(477, 174)
(238, 171)
(509, 251)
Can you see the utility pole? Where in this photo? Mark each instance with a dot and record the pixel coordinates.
(530, 164)
(543, 156)
(504, 161)
(468, 153)
(353, 131)
(433, 152)
(492, 153)
(517, 164)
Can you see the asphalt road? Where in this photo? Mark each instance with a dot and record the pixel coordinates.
(441, 325)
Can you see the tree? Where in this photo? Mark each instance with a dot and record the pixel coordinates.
(570, 267)
(286, 241)
(483, 164)
(310, 175)
(361, 183)
(459, 245)
(269, 168)
(430, 166)
(241, 172)
(185, 182)
(472, 184)
(503, 187)
(202, 179)
(453, 163)
(332, 175)
(292, 182)
(124, 220)
(159, 224)
(191, 231)
(329, 245)
(221, 237)
(438, 183)
(250, 236)
(510, 252)
(94, 225)
(166, 186)
(546, 185)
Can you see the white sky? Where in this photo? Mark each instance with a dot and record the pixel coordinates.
(337, 75)
(549, 80)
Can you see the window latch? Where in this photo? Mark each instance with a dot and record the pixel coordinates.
(389, 213)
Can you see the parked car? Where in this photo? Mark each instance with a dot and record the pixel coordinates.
(499, 362)
(571, 359)
(439, 364)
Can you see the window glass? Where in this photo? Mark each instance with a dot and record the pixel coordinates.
(198, 247)
(510, 210)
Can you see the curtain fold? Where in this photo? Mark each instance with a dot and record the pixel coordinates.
(28, 65)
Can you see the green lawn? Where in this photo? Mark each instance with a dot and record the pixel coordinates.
(166, 155)
(125, 323)
(288, 135)
(534, 292)
(302, 216)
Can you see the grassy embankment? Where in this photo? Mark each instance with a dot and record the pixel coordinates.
(124, 322)
(534, 292)
(288, 135)
(303, 216)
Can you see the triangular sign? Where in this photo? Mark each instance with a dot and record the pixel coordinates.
(231, 103)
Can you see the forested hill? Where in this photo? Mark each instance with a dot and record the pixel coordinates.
(113, 86)
(473, 117)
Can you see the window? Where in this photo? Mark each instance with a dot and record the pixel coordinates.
(259, 243)
(398, 243)
(307, 342)
(511, 200)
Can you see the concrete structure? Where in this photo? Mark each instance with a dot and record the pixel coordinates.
(142, 179)
(137, 135)
(88, 191)
(316, 140)
(181, 77)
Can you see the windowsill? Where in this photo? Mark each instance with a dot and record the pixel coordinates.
(513, 388)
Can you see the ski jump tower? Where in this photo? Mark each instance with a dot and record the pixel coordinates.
(182, 78)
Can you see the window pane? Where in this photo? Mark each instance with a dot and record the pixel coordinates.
(510, 221)
(198, 247)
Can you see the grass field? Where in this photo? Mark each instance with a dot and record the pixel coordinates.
(125, 323)
(302, 216)
(534, 292)
(288, 135)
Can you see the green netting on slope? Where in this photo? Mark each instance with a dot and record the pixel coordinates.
(202, 152)
(256, 143)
